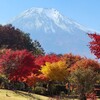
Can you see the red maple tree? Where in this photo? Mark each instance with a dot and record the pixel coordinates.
(18, 65)
(41, 60)
(95, 44)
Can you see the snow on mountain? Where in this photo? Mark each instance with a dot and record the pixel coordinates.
(55, 32)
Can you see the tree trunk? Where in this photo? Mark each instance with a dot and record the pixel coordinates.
(82, 94)
(50, 88)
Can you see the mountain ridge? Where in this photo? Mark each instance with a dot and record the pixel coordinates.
(52, 13)
(55, 32)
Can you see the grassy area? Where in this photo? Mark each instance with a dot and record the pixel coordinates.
(19, 95)
(11, 95)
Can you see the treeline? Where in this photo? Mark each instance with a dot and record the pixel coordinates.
(24, 61)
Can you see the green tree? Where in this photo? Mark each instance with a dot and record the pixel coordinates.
(85, 74)
(85, 80)
(12, 38)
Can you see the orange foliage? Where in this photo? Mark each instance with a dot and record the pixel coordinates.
(31, 80)
(86, 63)
(71, 59)
(42, 77)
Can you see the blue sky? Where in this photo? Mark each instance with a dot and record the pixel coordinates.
(86, 12)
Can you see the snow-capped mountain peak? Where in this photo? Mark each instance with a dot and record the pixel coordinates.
(47, 19)
(56, 32)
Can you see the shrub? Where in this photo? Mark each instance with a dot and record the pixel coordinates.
(40, 90)
(17, 86)
(60, 88)
(4, 82)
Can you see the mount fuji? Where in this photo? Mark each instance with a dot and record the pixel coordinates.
(56, 32)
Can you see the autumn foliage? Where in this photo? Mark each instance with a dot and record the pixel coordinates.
(18, 65)
(23, 66)
(41, 60)
(84, 73)
(24, 61)
(70, 59)
(95, 44)
(86, 63)
(56, 71)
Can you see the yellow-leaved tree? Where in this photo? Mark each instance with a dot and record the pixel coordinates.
(56, 71)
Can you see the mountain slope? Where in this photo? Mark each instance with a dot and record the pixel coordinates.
(55, 32)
